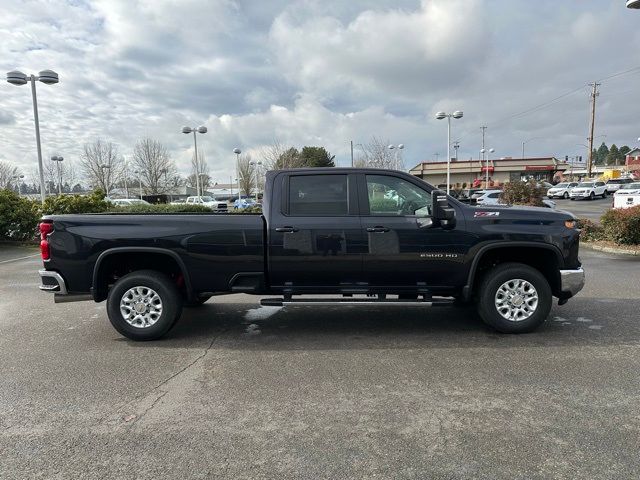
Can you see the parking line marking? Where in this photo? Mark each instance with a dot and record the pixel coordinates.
(21, 258)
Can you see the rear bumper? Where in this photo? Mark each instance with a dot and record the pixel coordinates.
(52, 282)
(571, 281)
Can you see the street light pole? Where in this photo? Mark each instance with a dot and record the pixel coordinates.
(486, 165)
(106, 178)
(237, 151)
(138, 172)
(17, 178)
(200, 129)
(58, 159)
(48, 77)
(442, 116)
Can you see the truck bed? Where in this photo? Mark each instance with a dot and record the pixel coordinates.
(214, 248)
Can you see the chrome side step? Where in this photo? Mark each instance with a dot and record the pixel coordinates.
(281, 302)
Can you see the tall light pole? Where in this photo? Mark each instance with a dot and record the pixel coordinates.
(237, 151)
(58, 159)
(126, 178)
(47, 77)
(486, 165)
(139, 174)
(257, 166)
(442, 116)
(527, 141)
(17, 178)
(200, 129)
(397, 149)
(106, 177)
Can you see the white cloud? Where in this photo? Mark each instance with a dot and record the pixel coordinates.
(315, 72)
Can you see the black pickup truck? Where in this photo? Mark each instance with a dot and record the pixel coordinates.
(364, 236)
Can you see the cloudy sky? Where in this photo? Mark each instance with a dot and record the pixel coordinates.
(319, 73)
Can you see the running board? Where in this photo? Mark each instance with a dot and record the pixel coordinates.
(281, 302)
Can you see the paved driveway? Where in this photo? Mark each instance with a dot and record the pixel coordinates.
(240, 391)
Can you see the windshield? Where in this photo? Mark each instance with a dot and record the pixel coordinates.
(562, 185)
(586, 184)
(631, 186)
(207, 199)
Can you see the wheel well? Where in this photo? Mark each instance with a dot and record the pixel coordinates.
(117, 265)
(542, 259)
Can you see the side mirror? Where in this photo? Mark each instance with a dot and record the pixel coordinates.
(442, 212)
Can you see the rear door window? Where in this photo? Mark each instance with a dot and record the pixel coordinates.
(320, 195)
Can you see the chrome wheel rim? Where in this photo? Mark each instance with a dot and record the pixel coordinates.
(516, 300)
(141, 307)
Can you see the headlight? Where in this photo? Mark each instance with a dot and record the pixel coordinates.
(570, 224)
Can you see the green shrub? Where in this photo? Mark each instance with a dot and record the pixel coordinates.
(160, 208)
(622, 225)
(62, 204)
(382, 205)
(253, 210)
(18, 217)
(522, 193)
(590, 231)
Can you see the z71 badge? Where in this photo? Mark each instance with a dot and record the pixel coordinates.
(486, 214)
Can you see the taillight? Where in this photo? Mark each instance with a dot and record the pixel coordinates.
(44, 250)
(45, 229)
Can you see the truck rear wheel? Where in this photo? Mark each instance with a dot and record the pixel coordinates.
(514, 298)
(144, 305)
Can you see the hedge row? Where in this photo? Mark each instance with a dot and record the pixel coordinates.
(621, 226)
(19, 216)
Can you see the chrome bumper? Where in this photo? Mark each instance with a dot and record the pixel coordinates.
(571, 281)
(60, 288)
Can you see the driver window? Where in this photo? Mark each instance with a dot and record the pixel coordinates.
(392, 196)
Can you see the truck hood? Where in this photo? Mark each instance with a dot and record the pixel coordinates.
(516, 212)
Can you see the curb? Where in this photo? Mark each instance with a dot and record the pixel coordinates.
(617, 250)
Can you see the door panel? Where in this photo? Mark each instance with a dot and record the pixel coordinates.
(315, 238)
(404, 247)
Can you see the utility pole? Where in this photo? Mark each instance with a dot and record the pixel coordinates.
(351, 153)
(483, 128)
(594, 94)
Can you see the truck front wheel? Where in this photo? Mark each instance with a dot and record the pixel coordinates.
(144, 305)
(514, 298)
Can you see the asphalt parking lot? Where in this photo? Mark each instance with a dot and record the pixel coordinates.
(591, 209)
(240, 391)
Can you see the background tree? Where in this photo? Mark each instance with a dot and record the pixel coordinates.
(600, 155)
(316, 157)
(151, 159)
(67, 177)
(246, 174)
(376, 154)
(624, 150)
(278, 156)
(94, 156)
(7, 172)
(202, 170)
(613, 156)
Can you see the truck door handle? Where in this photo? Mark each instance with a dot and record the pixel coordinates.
(377, 229)
(286, 229)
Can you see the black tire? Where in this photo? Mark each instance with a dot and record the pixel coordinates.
(566, 195)
(169, 297)
(604, 195)
(500, 275)
(198, 302)
(592, 196)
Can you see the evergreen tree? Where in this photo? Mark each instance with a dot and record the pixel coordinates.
(613, 156)
(601, 154)
(316, 157)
